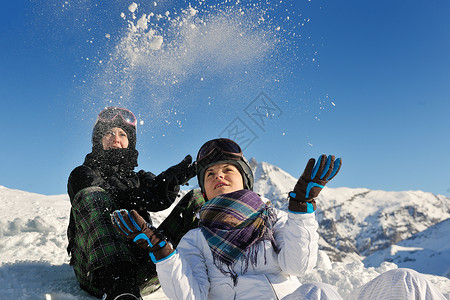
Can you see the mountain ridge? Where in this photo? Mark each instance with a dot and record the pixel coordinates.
(357, 222)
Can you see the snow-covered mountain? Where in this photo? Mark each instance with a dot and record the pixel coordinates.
(272, 182)
(432, 243)
(353, 224)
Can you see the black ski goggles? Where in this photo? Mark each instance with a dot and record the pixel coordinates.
(109, 114)
(226, 146)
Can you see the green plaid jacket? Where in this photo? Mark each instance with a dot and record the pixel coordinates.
(97, 243)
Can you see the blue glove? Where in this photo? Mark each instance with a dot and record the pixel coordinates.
(133, 227)
(312, 181)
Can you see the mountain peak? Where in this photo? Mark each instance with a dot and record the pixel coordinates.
(272, 182)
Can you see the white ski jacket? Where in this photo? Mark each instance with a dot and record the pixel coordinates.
(191, 274)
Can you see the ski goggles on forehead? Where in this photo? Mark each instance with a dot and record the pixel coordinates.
(226, 146)
(109, 114)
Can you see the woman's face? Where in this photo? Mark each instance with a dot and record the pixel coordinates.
(115, 138)
(221, 179)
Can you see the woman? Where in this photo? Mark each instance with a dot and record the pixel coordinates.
(105, 263)
(245, 249)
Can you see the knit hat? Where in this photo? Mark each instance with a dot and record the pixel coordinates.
(115, 117)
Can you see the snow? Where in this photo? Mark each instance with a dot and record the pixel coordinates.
(143, 22)
(192, 11)
(362, 224)
(34, 261)
(433, 243)
(371, 232)
(395, 249)
(168, 48)
(33, 257)
(132, 8)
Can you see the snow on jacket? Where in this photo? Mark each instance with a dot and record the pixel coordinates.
(191, 273)
(113, 172)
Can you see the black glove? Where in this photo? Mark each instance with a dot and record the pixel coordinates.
(312, 181)
(183, 171)
(132, 226)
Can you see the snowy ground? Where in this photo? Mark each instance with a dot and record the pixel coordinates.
(34, 262)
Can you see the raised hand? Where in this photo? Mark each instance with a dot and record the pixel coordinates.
(314, 178)
(183, 171)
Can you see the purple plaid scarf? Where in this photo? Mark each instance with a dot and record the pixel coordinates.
(233, 224)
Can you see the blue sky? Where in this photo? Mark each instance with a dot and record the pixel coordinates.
(368, 81)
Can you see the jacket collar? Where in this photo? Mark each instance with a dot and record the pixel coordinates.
(120, 159)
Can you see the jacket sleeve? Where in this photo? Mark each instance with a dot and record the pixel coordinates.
(297, 237)
(182, 218)
(184, 274)
(82, 177)
(159, 192)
